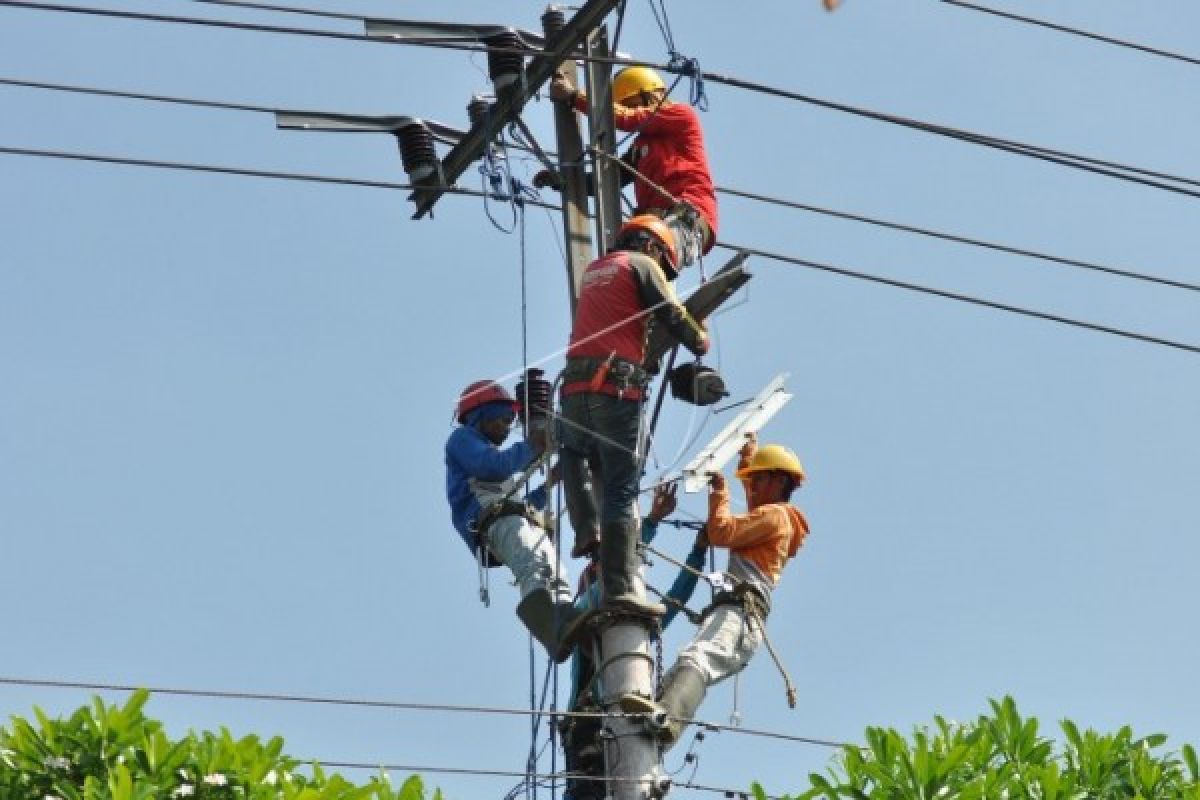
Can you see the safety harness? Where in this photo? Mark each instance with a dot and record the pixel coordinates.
(612, 375)
(485, 559)
(731, 591)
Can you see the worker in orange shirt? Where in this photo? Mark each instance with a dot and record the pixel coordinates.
(760, 543)
(668, 149)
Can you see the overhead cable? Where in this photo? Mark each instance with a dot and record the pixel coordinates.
(728, 245)
(951, 237)
(1139, 175)
(248, 4)
(250, 173)
(740, 794)
(1099, 37)
(962, 298)
(308, 12)
(390, 704)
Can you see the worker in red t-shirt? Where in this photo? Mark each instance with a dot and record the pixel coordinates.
(668, 150)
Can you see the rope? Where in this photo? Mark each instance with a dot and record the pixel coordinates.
(692, 616)
(788, 686)
(672, 199)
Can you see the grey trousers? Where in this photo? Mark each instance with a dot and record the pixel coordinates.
(528, 552)
(724, 644)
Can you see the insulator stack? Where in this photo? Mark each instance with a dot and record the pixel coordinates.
(417, 151)
(553, 21)
(478, 109)
(505, 68)
(535, 398)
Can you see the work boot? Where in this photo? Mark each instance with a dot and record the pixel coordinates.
(540, 614)
(682, 693)
(619, 565)
(586, 544)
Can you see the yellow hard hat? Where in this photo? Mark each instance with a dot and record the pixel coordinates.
(774, 457)
(635, 80)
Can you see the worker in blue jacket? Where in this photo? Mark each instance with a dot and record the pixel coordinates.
(498, 525)
(581, 743)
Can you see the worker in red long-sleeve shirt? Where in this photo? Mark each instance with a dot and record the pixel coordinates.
(668, 150)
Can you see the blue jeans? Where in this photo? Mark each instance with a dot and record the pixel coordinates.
(600, 433)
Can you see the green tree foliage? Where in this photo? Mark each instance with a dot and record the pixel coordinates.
(1002, 756)
(104, 752)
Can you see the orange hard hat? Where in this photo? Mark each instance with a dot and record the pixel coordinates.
(656, 229)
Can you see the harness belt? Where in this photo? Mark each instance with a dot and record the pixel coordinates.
(744, 595)
(613, 375)
(504, 508)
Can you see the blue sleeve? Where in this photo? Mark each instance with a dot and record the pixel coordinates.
(649, 530)
(478, 458)
(537, 498)
(586, 601)
(685, 584)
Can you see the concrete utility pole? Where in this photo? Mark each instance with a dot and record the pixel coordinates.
(570, 156)
(603, 138)
(621, 642)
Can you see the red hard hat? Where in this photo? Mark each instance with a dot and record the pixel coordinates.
(658, 229)
(480, 393)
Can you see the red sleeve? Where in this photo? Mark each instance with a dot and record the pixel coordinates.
(672, 118)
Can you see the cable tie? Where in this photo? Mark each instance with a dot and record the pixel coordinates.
(690, 68)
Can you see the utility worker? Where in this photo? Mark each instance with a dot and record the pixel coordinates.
(603, 392)
(580, 735)
(760, 543)
(499, 529)
(668, 150)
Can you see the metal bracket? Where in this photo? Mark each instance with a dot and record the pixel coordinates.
(729, 441)
(510, 102)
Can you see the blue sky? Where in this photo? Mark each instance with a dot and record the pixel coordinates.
(225, 398)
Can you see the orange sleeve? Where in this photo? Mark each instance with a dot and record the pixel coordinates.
(744, 462)
(727, 530)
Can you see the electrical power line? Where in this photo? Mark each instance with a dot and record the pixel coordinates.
(249, 173)
(951, 237)
(393, 705)
(1074, 31)
(962, 298)
(740, 794)
(308, 12)
(126, 95)
(960, 239)
(1139, 175)
(319, 13)
(728, 245)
